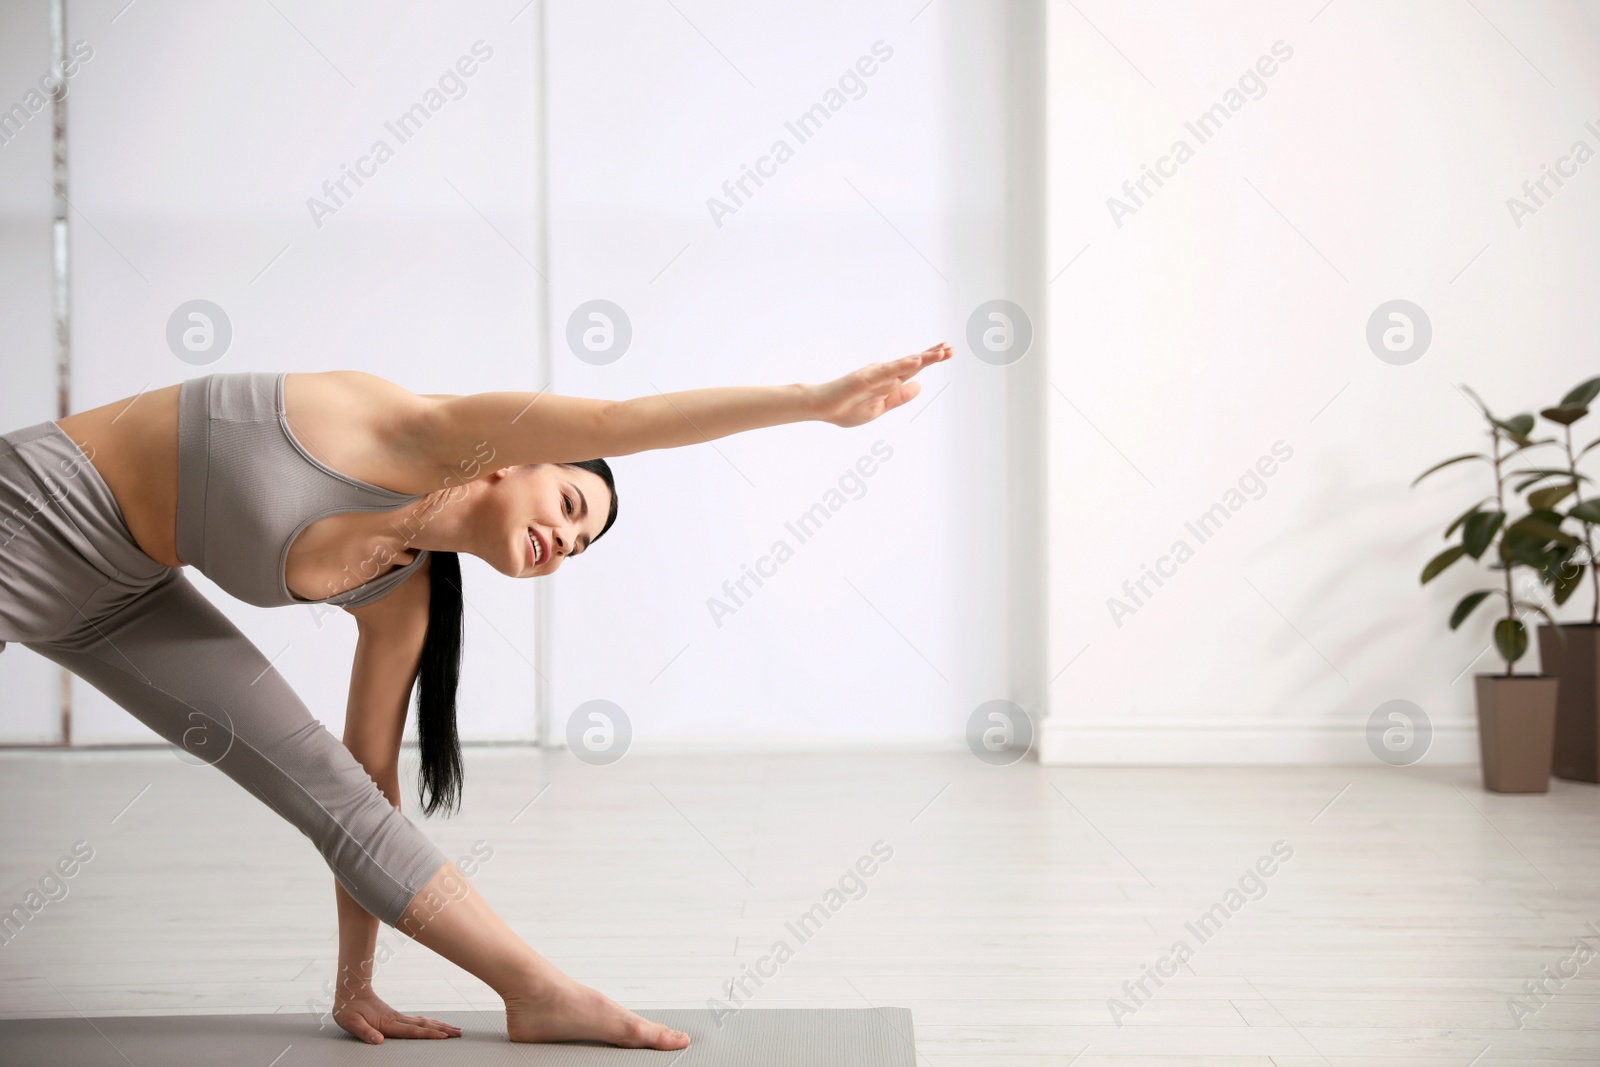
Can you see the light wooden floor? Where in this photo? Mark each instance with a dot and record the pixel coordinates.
(1017, 902)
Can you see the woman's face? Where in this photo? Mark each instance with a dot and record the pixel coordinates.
(540, 515)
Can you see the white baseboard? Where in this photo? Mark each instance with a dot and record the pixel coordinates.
(1064, 742)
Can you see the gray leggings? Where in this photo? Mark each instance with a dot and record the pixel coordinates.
(77, 589)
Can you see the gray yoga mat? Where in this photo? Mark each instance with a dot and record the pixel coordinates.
(753, 1037)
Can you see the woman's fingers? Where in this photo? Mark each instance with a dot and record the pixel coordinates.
(928, 356)
(863, 395)
(398, 1026)
(907, 366)
(449, 1028)
(359, 1026)
(904, 396)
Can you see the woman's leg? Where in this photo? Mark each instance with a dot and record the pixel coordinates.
(542, 1004)
(180, 667)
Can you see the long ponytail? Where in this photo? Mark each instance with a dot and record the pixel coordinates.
(439, 777)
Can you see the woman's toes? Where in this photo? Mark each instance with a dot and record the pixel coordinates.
(643, 1033)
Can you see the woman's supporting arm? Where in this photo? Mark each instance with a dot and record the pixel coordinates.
(447, 915)
(390, 633)
(546, 428)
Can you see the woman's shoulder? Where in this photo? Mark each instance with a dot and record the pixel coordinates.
(361, 424)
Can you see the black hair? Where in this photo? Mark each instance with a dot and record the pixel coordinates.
(603, 469)
(440, 774)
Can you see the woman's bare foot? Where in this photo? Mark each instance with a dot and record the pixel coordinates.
(542, 1004)
(563, 1010)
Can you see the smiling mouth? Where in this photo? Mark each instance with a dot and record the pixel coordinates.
(536, 551)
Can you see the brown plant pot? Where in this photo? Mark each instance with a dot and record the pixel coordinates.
(1577, 738)
(1516, 730)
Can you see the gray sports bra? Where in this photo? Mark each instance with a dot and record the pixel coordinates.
(247, 487)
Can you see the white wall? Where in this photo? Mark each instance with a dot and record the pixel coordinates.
(29, 684)
(890, 624)
(1229, 313)
(198, 133)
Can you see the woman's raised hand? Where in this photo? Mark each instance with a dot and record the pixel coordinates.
(863, 395)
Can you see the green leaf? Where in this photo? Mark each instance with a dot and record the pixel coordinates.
(1558, 562)
(1514, 552)
(1540, 528)
(1535, 528)
(1464, 516)
(1550, 496)
(1476, 399)
(1478, 533)
(1585, 449)
(1533, 553)
(1586, 511)
(1468, 603)
(1511, 638)
(1546, 515)
(1535, 475)
(1438, 563)
(1568, 579)
(1446, 463)
(1547, 471)
(1529, 540)
(1528, 483)
(1566, 414)
(1582, 393)
(1518, 426)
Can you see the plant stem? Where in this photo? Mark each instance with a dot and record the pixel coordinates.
(1588, 534)
(1500, 498)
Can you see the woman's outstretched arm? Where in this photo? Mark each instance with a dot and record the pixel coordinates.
(545, 428)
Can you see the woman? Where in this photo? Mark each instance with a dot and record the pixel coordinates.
(338, 488)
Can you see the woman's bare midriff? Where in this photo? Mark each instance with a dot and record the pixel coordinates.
(133, 444)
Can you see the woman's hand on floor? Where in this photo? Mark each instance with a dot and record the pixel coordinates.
(366, 1016)
(863, 395)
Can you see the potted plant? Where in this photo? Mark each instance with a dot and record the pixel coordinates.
(1516, 712)
(1571, 650)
